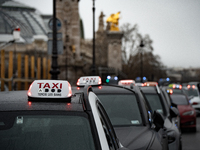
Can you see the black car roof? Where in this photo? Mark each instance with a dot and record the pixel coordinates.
(18, 100)
(112, 89)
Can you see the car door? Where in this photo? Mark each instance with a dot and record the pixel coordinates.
(105, 123)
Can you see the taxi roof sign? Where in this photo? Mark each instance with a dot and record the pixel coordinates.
(50, 89)
(126, 82)
(150, 83)
(89, 80)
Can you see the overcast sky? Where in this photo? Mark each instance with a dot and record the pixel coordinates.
(173, 25)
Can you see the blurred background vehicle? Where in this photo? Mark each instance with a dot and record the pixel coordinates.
(164, 81)
(112, 80)
(127, 83)
(157, 102)
(150, 83)
(187, 112)
(194, 97)
(194, 83)
(132, 120)
(177, 88)
(139, 84)
(126, 108)
(166, 93)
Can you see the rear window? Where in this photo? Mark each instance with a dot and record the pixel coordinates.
(122, 110)
(47, 132)
(179, 99)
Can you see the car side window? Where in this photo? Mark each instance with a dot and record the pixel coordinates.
(147, 110)
(166, 97)
(108, 129)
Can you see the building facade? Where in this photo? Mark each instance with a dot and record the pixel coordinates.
(77, 54)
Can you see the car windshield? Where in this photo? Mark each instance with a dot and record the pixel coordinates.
(49, 132)
(179, 99)
(122, 110)
(192, 92)
(154, 102)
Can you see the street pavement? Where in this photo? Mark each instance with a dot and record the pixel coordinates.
(191, 140)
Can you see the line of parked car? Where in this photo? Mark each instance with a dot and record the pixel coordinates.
(138, 109)
(126, 116)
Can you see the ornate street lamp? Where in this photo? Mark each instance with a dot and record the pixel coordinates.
(54, 66)
(141, 61)
(93, 64)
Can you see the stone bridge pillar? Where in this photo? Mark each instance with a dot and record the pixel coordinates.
(114, 49)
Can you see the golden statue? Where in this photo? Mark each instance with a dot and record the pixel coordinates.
(113, 22)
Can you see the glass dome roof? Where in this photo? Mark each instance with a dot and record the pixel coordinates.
(13, 14)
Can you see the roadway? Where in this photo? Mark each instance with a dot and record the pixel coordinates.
(191, 140)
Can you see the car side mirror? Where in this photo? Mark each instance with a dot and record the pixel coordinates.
(174, 112)
(158, 120)
(174, 104)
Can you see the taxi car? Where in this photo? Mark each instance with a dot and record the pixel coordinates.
(49, 116)
(133, 123)
(194, 98)
(150, 83)
(187, 112)
(166, 91)
(156, 101)
(139, 84)
(177, 88)
(127, 83)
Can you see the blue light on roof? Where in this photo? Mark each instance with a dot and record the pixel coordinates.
(138, 78)
(167, 79)
(109, 77)
(144, 78)
(116, 78)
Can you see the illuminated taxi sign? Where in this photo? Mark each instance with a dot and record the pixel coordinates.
(50, 89)
(175, 86)
(89, 80)
(191, 86)
(150, 84)
(126, 82)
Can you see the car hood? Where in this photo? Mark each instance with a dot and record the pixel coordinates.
(195, 99)
(184, 108)
(135, 137)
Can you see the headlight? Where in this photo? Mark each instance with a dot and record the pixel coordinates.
(171, 136)
(188, 113)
